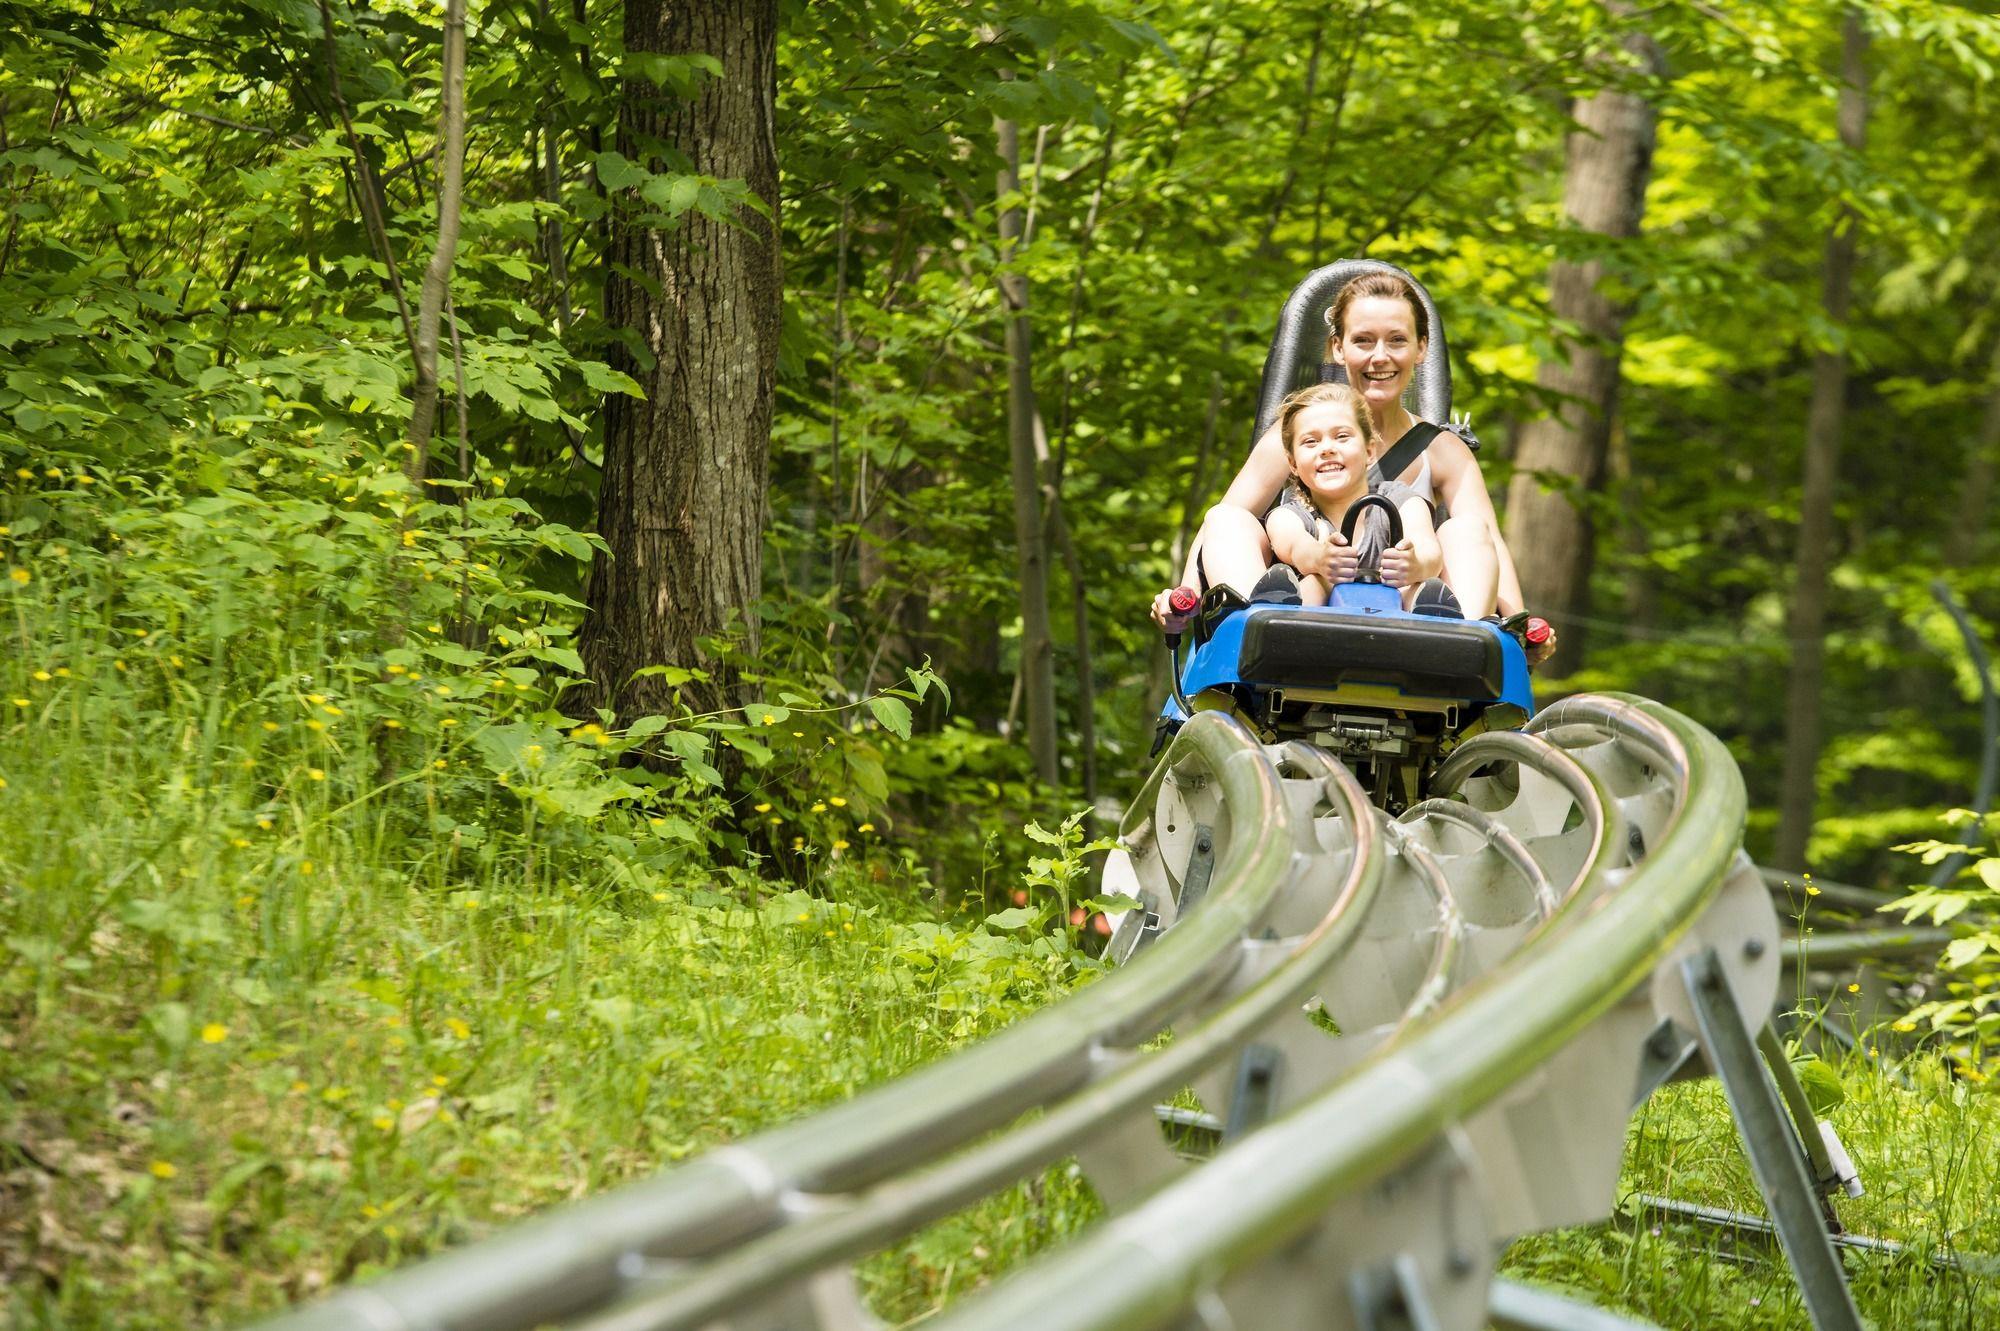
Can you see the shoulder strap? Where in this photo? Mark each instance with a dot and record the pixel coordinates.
(1404, 451)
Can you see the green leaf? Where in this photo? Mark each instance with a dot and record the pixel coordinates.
(1989, 873)
(1822, 1085)
(615, 1013)
(1014, 917)
(618, 172)
(893, 713)
(644, 726)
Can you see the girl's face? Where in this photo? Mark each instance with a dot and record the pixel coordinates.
(1380, 348)
(1329, 452)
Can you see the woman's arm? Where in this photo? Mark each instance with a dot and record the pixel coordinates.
(1262, 476)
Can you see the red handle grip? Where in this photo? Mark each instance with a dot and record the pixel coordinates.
(1537, 632)
(1183, 600)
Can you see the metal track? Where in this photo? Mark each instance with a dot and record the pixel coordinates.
(1502, 965)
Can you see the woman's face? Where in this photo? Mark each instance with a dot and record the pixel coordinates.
(1380, 349)
(1329, 452)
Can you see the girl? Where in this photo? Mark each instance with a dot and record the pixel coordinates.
(1329, 439)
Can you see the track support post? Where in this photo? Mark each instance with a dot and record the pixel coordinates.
(1775, 1157)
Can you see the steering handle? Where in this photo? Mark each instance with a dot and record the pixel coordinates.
(1359, 506)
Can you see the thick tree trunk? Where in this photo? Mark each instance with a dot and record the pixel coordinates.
(1807, 624)
(682, 504)
(1610, 160)
(1037, 677)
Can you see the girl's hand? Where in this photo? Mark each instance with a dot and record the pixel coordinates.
(1164, 616)
(1338, 561)
(1399, 564)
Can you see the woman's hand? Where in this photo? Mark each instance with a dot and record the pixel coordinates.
(1164, 616)
(1399, 564)
(1538, 652)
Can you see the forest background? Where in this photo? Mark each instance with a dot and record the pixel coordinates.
(337, 763)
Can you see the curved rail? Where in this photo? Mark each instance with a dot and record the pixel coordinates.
(1462, 951)
(1143, 1268)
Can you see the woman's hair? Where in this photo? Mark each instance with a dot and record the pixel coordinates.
(1387, 286)
(1323, 395)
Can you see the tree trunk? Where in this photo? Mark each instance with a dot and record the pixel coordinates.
(1975, 495)
(1807, 624)
(1610, 160)
(1037, 676)
(437, 275)
(682, 504)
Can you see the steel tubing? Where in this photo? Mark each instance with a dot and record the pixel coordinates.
(1143, 1268)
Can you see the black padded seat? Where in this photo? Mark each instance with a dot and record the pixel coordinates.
(1313, 648)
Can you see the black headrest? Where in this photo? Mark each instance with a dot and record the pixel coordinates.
(1299, 343)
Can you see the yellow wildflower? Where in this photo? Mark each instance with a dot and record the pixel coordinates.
(440, 1080)
(62, 672)
(53, 473)
(409, 538)
(264, 823)
(240, 843)
(819, 808)
(397, 670)
(214, 1033)
(865, 827)
(448, 722)
(762, 808)
(331, 710)
(1811, 891)
(314, 723)
(161, 1169)
(315, 698)
(43, 676)
(1904, 1025)
(440, 763)
(837, 802)
(392, 724)
(20, 575)
(1854, 988)
(458, 1028)
(306, 868)
(25, 473)
(270, 725)
(299, 1088)
(316, 773)
(21, 702)
(840, 845)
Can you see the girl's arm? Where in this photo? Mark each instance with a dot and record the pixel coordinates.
(1418, 557)
(1291, 543)
(1461, 488)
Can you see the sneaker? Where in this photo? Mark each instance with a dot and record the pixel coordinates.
(1278, 586)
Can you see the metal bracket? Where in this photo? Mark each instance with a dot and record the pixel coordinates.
(1200, 866)
(1255, 1092)
(1774, 1154)
(1667, 1050)
(1390, 1297)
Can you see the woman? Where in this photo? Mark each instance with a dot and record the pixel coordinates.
(1378, 331)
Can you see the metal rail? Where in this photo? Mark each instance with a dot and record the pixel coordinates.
(1144, 1268)
(1486, 959)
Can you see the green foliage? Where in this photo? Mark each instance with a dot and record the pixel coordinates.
(1967, 1016)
